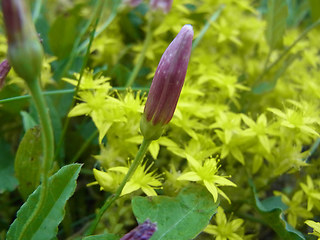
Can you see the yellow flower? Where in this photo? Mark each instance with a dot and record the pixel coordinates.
(110, 180)
(205, 172)
(315, 226)
(225, 230)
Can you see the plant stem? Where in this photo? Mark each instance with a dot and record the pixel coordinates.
(142, 151)
(84, 146)
(142, 55)
(47, 148)
(66, 124)
(287, 50)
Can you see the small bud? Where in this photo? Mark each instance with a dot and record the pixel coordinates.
(25, 52)
(143, 232)
(132, 3)
(163, 5)
(167, 84)
(4, 70)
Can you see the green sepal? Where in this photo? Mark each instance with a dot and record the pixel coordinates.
(150, 131)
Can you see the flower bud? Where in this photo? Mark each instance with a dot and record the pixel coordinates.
(25, 52)
(167, 84)
(4, 70)
(163, 5)
(143, 232)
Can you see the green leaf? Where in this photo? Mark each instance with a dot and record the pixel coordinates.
(315, 9)
(45, 226)
(271, 210)
(276, 22)
(106, 236)
(62, 35)
(28, 161)
(27, 120)
(8, 182)
(267, 86)
(182, 217)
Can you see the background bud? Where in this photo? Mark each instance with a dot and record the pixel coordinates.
(163, 5)
(25, 52)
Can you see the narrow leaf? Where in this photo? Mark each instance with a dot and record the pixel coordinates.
(276, 22)
(182, 217)
(61, 187)
(271, 210)
(27, 164)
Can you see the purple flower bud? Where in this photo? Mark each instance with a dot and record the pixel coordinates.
(4, 70)
(167, 84)
(143, 232)
(24, 49)
(164, 5)
(132, 3)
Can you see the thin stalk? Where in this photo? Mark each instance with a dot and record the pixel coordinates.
(65, 91)
(66, 124)
(36, 10)
(138, 159)
(47, 147)
(287, 50)
(205, 28)
(142, 55)
(84, 146)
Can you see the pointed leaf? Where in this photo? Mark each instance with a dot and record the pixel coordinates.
(61, 187)
(27, 164)
(271, 210)
(182, 217)
(276, 22)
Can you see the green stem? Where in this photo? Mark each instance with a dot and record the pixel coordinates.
(142, 151)
(36, 10)
(66, 124)
(84, 146)
(47, 147)
(287, 50)
(142, 55)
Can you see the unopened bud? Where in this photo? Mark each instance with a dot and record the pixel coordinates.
(4, 70)
(167, 84)
(143, 232)
(25, 52)
(163, 5)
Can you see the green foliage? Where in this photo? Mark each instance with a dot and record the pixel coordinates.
(106, 236)
(8, 182)
(271, 210)
(193, 206)
(276, 22)
(27, 162)
(61, 186)
(249, 109)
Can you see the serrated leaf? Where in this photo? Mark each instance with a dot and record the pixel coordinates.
(27, 164)
(271, 210)
(315, 9)
(182, 217)
(106, 236)
(45, 226)
(276, 22)
(8, 182)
